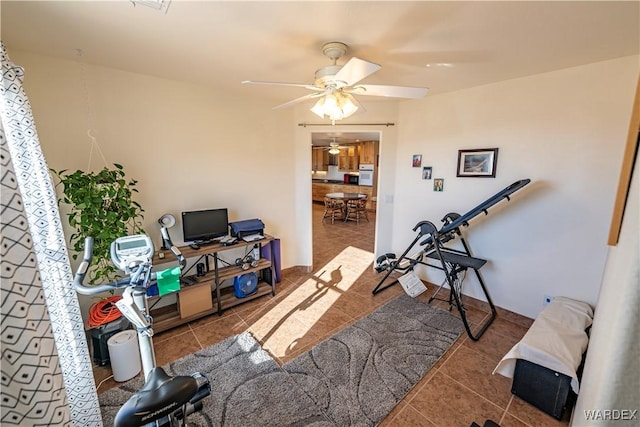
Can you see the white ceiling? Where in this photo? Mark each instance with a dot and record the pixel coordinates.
(445, 46)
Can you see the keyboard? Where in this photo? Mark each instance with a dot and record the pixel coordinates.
(252, 237)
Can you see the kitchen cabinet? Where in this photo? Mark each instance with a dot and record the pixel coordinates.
(349, 159)
(368, 152)
(320, 189)
(319, 159)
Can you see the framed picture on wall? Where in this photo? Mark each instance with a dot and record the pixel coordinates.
(426, 172)
(417, 160)
(477, 163)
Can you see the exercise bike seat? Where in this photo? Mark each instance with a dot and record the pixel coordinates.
(160, 396)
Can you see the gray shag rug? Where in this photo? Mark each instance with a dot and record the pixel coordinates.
(360, 374)
(354, 378)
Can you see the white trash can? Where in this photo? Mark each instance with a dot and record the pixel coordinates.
(124, 355)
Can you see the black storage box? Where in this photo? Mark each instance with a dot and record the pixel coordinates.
(101, 334)
(545, 389)
(247, 227)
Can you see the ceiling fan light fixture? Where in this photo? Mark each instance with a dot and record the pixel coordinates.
(335, 106)
(334, 150)
(160, 5)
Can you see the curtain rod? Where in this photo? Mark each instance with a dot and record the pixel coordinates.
(346, 124)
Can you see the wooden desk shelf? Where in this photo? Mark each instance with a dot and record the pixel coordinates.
(222, 298)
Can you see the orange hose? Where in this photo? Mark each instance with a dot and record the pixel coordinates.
(104, 311)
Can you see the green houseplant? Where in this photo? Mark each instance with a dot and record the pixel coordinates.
(101, 206)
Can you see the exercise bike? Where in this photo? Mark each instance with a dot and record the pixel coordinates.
(163, 400)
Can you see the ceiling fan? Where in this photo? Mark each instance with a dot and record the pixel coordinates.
(334, 147)
(335, 85)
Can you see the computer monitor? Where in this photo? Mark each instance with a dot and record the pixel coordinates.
(206, 225)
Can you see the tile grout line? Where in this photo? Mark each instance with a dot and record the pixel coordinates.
(191, 329)
(409, 402)
(474, 392)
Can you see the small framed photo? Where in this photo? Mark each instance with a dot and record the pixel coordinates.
(438, 184)
(417, 160)
(426, 172)
(477, 163)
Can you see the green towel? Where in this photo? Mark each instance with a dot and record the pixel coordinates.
(168, 281)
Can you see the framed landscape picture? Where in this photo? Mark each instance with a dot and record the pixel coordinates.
(477, 163)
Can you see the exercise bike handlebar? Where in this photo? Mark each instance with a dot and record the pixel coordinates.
(81, 272)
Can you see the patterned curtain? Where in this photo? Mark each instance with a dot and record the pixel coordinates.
(47, 377)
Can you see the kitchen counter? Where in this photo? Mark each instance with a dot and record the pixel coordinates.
(330, 181)
(320, 188)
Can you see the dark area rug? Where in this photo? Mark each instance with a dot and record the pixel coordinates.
(354, 378)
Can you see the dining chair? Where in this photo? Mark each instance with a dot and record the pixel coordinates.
(356, 209)
(333, 209)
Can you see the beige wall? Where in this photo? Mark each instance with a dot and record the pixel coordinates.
(189, 147)
(611, 377)
(193, 148)
(566, 131)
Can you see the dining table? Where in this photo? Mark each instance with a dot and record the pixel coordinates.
(346, 196)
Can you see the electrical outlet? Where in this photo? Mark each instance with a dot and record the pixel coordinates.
(547, 300)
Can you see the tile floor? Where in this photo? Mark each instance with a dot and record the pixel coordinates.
(310, 307)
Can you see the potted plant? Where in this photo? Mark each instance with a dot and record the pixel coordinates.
(101, 206)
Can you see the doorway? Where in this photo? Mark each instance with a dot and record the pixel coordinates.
(337, 158)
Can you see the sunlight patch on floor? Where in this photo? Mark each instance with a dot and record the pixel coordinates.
(284, 327)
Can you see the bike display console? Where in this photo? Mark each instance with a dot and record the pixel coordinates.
(208, 293)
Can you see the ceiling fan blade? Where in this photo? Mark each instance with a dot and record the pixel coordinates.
(298, 100)
(258, 82)
(390, 91)
(355, 100)
(355, 70)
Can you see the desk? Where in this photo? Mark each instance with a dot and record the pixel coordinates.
(209, 287)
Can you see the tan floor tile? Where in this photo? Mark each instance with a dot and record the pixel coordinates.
(408, 416)
(492, 344)
(509, 420)
(508, 328)
(512, 317)
(474, 370)
(219, 329)
(175, 347)
(445, 402)
(395, 411)
(161, 336)
(533, 416)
